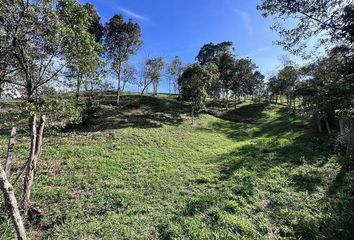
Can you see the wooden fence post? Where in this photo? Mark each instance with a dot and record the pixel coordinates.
(11, 204)
(35, 152)
(10, 153)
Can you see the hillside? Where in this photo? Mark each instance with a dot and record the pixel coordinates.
(142, 171)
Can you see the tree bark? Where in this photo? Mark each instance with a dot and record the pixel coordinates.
(10, 152)
(119, 82)
(227, 100)
(192, 116)
(318, 121)
(328, 128)
(78, 86)
(35, 152)
(12, 206)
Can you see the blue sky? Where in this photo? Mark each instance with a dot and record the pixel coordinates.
(181, 27)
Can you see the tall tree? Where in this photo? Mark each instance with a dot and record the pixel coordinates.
(211, 54)
(243, 78)
(287, 78)
(226, 65)
(83, 48)
(121, 39)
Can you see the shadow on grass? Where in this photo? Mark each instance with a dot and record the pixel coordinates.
(250, 113)
(289, 165)
(134, 112)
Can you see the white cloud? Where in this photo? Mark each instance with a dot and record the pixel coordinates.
(257, 51)
(134, 14)
(246, 20)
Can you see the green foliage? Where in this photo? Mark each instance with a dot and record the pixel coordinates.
(60, 114)
(192, 84)
(121, 39)
(332, 19)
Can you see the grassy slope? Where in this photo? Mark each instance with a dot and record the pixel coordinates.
(142, 172)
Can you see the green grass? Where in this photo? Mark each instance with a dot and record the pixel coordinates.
(142, 171)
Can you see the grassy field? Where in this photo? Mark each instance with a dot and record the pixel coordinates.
(142, 171)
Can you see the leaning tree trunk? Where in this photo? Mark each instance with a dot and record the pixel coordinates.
(11, 203)
(35, 152)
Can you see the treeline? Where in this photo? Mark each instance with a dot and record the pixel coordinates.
(219, 73)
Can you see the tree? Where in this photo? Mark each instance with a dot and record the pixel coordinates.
(226, 66)
(121, 40)
(175, 70)
(258, 83)
(243, 77)
(328, 86)
(129, 73)
(214, 85)
(273, 89)
(32, 44)
(83, 48)
(211, 54)
(287, 78)
(332, 19)
(152, 73)
(192, 84)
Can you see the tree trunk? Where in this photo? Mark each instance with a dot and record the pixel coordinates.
(341, 126)
(192, 113)
(155, 85)
(227, 100)
(78, 86)
(10, 152)
(35, 152)
(328, 128)
(119, 82)
(318, 121)
(118, 93)
(11, 204)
